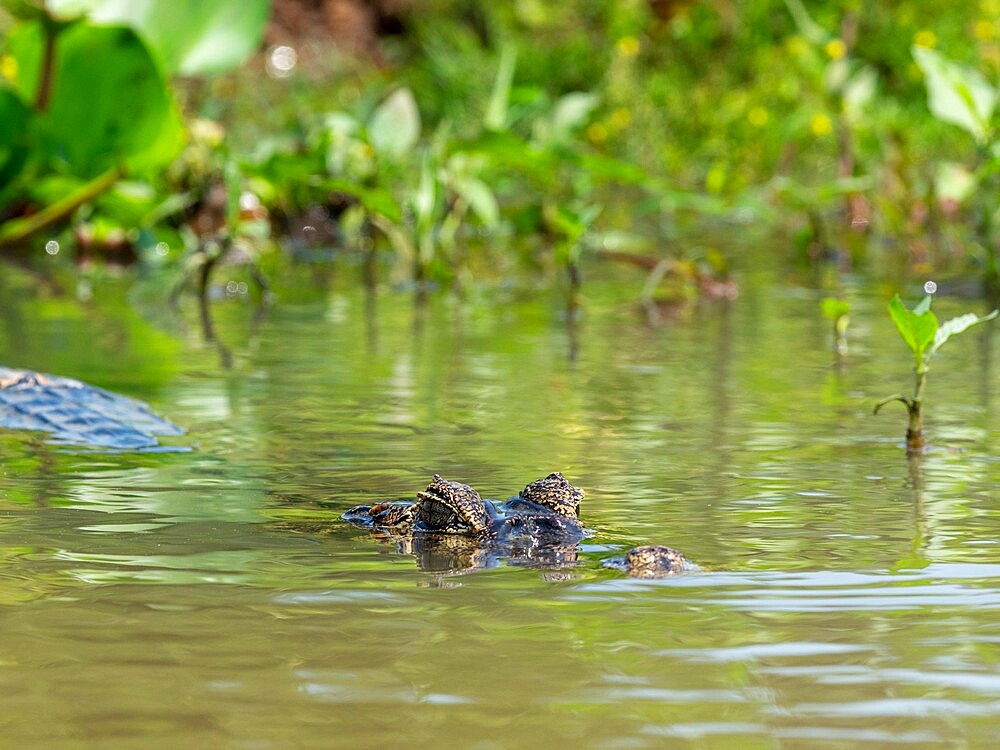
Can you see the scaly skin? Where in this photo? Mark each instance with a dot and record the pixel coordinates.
(556, 494)
(451, 508)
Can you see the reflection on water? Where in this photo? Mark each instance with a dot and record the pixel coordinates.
(846, 597)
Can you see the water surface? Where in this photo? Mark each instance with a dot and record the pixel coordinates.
(848, 597)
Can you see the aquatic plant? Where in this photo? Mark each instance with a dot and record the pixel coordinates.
(838, 311)
(924, 335)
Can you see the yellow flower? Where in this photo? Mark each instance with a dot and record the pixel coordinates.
(984, 30)
(597, 133)
(8, 67)
(835, 49)
(621, 118)
(628, 46)
(758, 116)
(925, 38)
(821, 125)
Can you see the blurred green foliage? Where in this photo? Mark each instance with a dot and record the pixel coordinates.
(617, 128)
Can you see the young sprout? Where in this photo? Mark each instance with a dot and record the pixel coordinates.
(838, 311)
(921, 331)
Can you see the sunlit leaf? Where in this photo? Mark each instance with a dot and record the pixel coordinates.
(479, 197)
(859, 91)
(109, 104)
(572, 111)
(190, 37)
(957, 93)
(394, 128)
(956, 325)
(426, 195)
(917, 329)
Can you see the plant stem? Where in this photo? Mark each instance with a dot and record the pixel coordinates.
(44, 92)
(915, 429)
(19, 229)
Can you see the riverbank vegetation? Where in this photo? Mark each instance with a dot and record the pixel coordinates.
(450, 142)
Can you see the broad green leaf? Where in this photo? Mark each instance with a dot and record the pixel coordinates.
(479, 197)
(572, 111)
(15, 140)
(917, 329)
(496, 110)
(955, 326)
(394, 128)
(190, 37)
(109, 104)
(957, 93)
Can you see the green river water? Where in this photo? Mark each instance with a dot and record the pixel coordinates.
(847, 597)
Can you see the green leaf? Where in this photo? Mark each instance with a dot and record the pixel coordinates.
(496, 110)
(480, 198)
(109, 103)
(394, 128)
(607, 169)
(426, 195)
(804, 22)
(190, 37)
(957, 325)
(916, 328)
(858, 92)
(834, 308)
(375, 199)
(572, 111)
(957, 93)
(15, 139)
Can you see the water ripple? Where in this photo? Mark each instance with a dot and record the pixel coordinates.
(943, 584)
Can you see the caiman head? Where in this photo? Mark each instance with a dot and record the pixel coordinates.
(451, 508)
(556, 494)
(655, 561)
